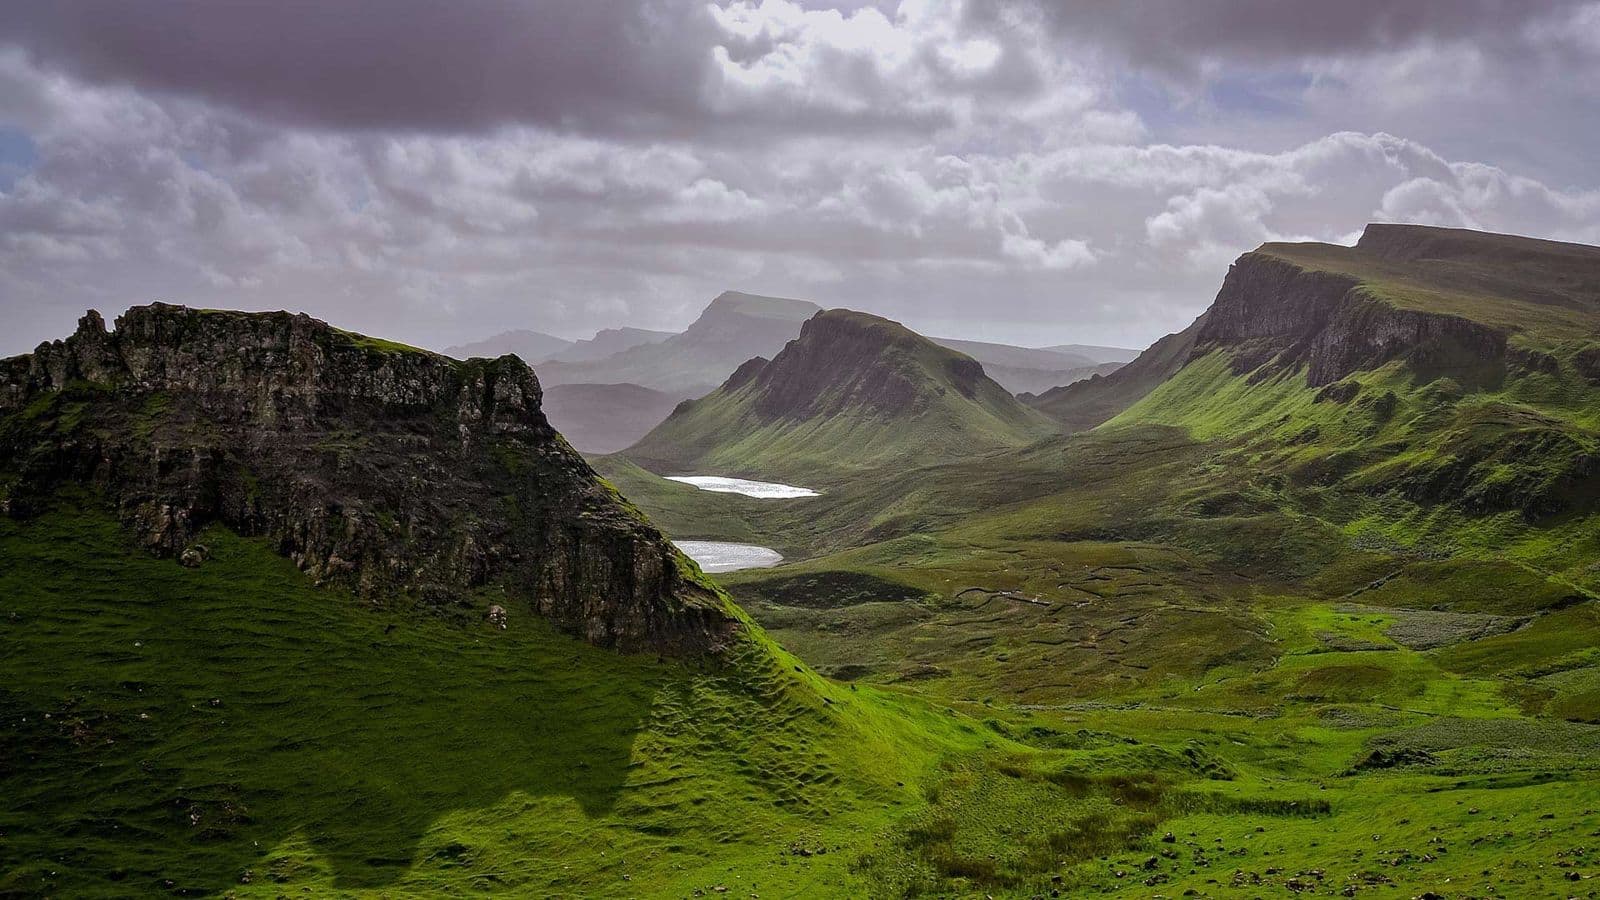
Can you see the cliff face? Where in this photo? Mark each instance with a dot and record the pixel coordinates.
(1443, 300)
(1272, 311)
(386, 469)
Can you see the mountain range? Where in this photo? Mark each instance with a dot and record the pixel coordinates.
(537, 347)
(608, 392)
(1302, 600)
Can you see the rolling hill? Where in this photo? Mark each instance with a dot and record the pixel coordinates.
(531, 346)
(852, 392)
(605, 418)
(1333, 543)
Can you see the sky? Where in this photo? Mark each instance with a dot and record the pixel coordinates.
(1033, 171)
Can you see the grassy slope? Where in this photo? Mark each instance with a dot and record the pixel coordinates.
(231, 728)
(1339, 601)
(170, 729)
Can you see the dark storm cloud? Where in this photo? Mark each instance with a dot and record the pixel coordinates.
(438, 171)
(609, 65)
(1182, 36)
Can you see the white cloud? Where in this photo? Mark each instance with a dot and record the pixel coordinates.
(998, 185)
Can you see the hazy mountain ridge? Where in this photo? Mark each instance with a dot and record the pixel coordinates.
(605, 418)
(732, 329)
(606, 342)
(531, 346)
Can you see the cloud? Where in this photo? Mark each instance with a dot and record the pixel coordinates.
(943, 163)
(376, 64)
(1185, 37)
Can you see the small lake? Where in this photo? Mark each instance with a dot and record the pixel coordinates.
(722, 556)
(766, 490)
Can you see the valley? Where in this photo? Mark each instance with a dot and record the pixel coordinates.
(1256, 564)
(1300, 601)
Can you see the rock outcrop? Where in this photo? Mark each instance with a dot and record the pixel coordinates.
(1270, 310)
(390, 470)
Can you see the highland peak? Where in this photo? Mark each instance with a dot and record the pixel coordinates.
(852, 391)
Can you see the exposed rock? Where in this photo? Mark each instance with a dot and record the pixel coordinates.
(1587, 361)
(497, 616)
(379, 467)
(1272, 310)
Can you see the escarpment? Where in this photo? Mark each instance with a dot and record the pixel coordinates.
(388, 470)
(1466, 305)
(1273, 311)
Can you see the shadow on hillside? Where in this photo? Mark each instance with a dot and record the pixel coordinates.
(165, 729)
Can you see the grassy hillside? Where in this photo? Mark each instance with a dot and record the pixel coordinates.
(1365, 604)
(1543, 291)
(232, 728)
(854, 392)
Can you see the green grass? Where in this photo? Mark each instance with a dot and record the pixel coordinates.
(169, 730)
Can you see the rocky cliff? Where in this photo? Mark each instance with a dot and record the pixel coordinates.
(1468, 305)
(1273, 311)
(389, 470)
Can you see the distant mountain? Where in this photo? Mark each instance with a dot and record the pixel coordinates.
(532, 346)
(607, 342)
(1095, 353)
(1020, 369)
(854, 391)
(1085, 403)
(734, 328)
(1016, 357)
(605, 418)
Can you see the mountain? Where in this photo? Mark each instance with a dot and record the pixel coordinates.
(852, 392)
(1096, 353)
(1357, 499)
(605, 418)
(1447, 365)
(734, 328)
(532, 346)
(245, 557)
(388, 470)
(1022, 369)
(606, 342)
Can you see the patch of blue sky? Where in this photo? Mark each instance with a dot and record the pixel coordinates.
(18, 155)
